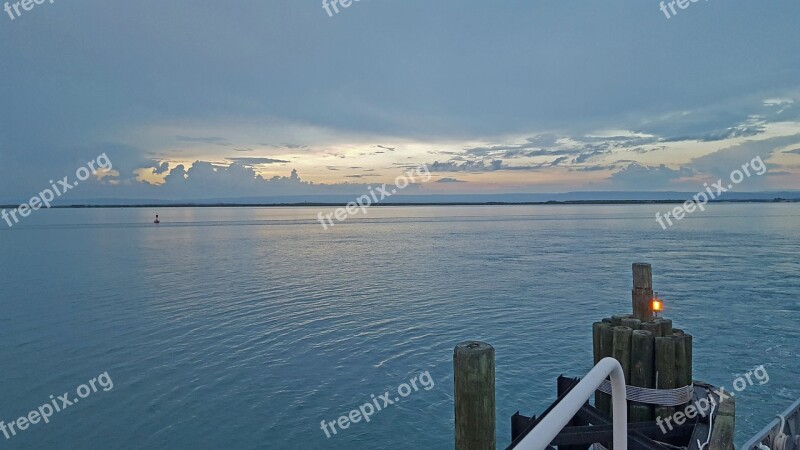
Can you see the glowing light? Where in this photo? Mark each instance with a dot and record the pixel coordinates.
(658, 304)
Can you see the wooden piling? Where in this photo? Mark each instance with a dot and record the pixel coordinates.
(665, 370)
(651, 352)
(602, 401)
(633, 324)
(682, 375)
(616, 319)
(689, 364)
(642, 369)
(622, 349)
(597, 330)
(724, 426)
(474, 385)
(642, 293)
(665, 326)
(652, 327)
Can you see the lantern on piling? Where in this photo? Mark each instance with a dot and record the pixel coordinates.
(658, 304)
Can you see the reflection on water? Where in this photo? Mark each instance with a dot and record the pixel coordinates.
(245, 327)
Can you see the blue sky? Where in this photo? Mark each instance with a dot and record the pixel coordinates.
(216, 99)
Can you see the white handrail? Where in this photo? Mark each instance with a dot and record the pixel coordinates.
(547, 430)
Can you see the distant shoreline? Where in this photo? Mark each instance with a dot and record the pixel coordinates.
(337, 204)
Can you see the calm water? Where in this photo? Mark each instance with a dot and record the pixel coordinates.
(244, 328)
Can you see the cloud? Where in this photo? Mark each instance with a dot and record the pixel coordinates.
(256, 161)
(559, 160)
(753, 128)
(595, 168)
(544, 140)
(519, 153)
(721, 163)
(508, 150)
(204, 180)
(482, 166)
(155, 101)
(583, 157)
(202, 140)
(636, 176)
(466, 166)
(449, 180)
(582, 148)
(162, 168)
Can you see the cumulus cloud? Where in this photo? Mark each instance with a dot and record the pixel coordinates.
(640, 177)
(161, 168)
(207, 180)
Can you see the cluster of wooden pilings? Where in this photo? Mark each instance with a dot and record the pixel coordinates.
(651, 352)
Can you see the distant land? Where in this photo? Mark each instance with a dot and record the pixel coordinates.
(572, 198)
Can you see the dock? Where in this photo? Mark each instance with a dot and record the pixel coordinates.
(651, 400)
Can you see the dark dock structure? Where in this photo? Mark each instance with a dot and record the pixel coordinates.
(666, 408)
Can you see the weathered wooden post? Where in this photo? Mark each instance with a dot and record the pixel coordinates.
(616, 319)
(642, 293)
(642, 350)
(622, 350)
(603, 337)
(664, 325)
(633, 324)
(652, 327)
(665, 370)
(724, 427)
(473, 372)
(688, 342)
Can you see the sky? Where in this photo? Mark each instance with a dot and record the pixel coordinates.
(207, 99)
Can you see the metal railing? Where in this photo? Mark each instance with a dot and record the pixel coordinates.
(548, 428)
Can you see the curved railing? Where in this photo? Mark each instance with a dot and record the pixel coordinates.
(549, 427)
